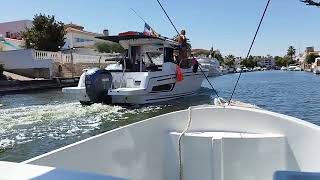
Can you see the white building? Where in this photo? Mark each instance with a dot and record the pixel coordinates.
(77, 37)
(10, 34)
(13, 29)
(266, 62)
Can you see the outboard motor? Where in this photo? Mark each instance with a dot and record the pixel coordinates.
(98, 82)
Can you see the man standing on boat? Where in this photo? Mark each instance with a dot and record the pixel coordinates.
(183, 54)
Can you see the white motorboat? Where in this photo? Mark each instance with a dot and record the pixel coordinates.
(257, 68)
(238, 70)
(298, 68)
(212, 65)
(205, 142)
(283, 68)
(316, 66)
(292, 67)
(150, 75)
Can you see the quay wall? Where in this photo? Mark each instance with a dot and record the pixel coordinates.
(22, 62)
(13, 87)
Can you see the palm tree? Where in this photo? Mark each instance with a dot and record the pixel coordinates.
(230, 60)
(291, 52)
(311, 2)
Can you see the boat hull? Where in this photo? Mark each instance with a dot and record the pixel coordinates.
(155, 87)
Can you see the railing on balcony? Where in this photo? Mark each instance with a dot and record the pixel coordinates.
(41, 55)
(66, 58)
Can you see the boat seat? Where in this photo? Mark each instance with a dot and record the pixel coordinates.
(36, 172)
(232, 155)
(295, 175)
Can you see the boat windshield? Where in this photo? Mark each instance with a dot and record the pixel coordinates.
(155, 57)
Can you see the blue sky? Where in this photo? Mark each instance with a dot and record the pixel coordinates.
(226, 24)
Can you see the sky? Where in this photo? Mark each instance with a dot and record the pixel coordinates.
(227, 25)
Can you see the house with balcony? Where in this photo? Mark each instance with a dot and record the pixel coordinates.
(76, 55)
(10, 34)
(76, 36)
(308, 51)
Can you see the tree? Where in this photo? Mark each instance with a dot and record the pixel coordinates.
(291, 52)
(109, 47)
(103, 47)
(250, 62)
(2, 76)
(46, 34)
(279, 61)
(218, 56)
(311, 2)
(1, 69)
(230, 60)
(117, 48)
(311, 58)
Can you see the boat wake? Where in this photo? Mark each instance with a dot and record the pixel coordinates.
(59, 121)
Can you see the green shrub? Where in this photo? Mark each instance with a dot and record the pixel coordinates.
(1, 69)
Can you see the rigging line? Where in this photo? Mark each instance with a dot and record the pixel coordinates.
(254, 38)
(135, 12)
(214, 90)
(168, 16)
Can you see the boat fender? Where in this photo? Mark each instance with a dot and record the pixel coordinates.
(179, 76)
(98, 82)
(195, 65)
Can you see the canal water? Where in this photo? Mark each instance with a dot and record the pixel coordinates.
(33, 124)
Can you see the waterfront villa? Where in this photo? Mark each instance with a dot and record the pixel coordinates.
(10, 34)
(267, 62)
(76, 36)
(41, 64)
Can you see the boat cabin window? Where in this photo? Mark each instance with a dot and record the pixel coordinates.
(155, 57)
(153, 61)
(148, 57)
(168, 55)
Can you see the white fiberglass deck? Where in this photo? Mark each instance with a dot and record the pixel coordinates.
(221, 144)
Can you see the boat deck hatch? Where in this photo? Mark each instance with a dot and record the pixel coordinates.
(231, 155)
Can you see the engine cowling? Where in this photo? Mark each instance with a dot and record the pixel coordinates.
(98, 82)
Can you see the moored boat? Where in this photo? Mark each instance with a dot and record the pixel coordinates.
(149, 74)
(283, 68)
(212, 65)
(316, 66)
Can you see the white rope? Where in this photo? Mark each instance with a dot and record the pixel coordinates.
(179, 144)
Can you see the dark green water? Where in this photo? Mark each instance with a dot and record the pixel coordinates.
(32, 124)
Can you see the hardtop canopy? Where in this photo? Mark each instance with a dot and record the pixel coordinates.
(140, 39)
